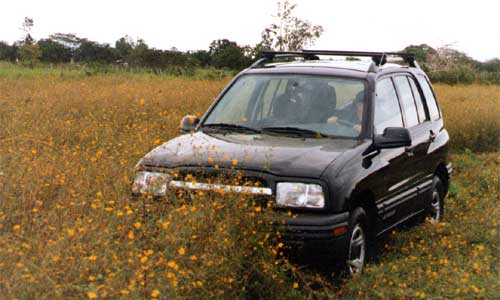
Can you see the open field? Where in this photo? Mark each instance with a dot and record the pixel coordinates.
(69, 230)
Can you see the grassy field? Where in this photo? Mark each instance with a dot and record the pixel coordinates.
(69, 230)
(81, 71)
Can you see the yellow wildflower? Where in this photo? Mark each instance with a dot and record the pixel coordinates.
(155, 293)
(173, 265)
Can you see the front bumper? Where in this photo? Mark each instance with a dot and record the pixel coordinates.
(314, 235)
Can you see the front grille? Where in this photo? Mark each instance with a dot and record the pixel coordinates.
(222, 177)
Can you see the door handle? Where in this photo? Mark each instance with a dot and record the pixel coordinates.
(409, 152)
(432, 136)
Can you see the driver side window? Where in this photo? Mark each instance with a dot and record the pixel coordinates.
(387, 110)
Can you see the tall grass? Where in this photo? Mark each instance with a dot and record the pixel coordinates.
(70, 230)
(472, 115)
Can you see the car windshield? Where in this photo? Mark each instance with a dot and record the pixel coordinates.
(296, 104)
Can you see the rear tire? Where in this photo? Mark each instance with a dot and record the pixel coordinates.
(357, 248)
(435, 209)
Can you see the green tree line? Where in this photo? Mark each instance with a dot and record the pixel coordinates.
(442, 64)
(68, 48)
(286, 33)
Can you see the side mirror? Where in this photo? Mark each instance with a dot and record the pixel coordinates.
(393, 137)
(189, 123)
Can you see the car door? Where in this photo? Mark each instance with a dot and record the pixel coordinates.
(433, 131)
(392, 187)
(416, 154)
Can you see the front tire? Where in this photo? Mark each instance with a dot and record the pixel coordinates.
(357, 242)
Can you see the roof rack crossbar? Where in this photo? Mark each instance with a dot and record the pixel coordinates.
(268, 56)
(379, 58)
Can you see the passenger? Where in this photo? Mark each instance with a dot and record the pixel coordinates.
(351, 116)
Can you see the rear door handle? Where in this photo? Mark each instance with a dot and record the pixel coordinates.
(432, 136)
(409, 152)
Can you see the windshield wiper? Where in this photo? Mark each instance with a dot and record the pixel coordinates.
(302, 132)
(230, 127)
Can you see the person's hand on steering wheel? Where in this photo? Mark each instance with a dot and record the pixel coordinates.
(346, 123)
(332, 120)
(357, 128)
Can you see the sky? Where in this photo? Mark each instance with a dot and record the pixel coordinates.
(382, 25)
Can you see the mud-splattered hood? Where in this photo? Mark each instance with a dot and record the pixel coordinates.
(279, 155)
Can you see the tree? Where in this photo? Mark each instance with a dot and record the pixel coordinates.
(492, 65)
(124, 46)
(30, 54)
(227, 54)
(451, 66)
(8, 52)
(137, 56)
(54, 52)
(421, 52)
(289, 33)
(446, 58)
(69, 40)
(201, 58)
(90, 51)
(26, 27)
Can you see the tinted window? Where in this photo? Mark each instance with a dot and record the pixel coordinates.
(418, 100)
(429, 98)
(387, 111)
(407, 101)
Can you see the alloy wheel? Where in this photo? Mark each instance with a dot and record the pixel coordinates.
(435, 212)
(357, 250)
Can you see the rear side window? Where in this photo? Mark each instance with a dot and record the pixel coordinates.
(387, 111)
(407, 101)
(418, 100)
(429, 98)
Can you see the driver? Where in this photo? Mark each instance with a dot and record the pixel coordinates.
(352, 115)
(289, 105)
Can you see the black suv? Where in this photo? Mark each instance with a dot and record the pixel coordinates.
(353, 147)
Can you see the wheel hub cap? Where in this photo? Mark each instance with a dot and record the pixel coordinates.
(357, 249)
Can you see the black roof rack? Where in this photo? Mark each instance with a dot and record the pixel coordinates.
(379, 58)
(268, 56)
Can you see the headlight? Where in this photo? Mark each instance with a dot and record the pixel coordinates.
(152, 183)
(295, 194)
